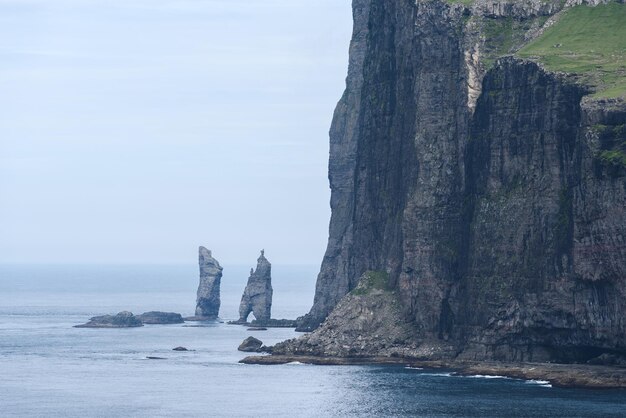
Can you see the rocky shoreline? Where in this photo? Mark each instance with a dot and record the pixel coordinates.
(559, 375)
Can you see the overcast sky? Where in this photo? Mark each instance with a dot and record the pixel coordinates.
(136, 130)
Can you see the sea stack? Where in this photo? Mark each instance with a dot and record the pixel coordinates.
(257, 297)
(208, 300)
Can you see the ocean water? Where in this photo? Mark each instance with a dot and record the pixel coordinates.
(50, 369)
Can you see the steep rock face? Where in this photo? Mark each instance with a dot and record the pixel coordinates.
(257, 296)
(406, 90)
(545, 276)
(489, 198)
(208, 297)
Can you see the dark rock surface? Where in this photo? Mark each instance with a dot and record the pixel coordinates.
(123, 319)
(257, 296)
(180, 349)
(208, 298)
(561, 375)
(156, 317)
(478, 188)
(269, 323)
(275, 323)
(250, 344)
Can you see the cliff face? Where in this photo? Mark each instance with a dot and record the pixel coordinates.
(481, 186)
(544, 274)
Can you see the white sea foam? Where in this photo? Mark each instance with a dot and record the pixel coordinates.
(414, 368)
(484, 376)
(542, 383)
(438, 374)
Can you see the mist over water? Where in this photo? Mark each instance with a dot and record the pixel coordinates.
(51, 369)
(103, 289)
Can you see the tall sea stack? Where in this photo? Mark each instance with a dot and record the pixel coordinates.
(479, 183)
(208, 300)
(257, 297)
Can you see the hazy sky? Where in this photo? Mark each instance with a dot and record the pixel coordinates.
(136, 130)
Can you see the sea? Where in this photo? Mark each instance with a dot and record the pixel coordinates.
(48, 368)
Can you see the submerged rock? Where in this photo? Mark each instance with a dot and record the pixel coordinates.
(275, 323)
(123, 319)
(208, 298)
(257, 297)
(251, 345)
(156, 317)
(180, 349)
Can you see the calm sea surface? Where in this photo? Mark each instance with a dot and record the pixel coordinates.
(49, 369)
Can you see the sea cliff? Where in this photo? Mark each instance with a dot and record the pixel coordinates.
(480, 177)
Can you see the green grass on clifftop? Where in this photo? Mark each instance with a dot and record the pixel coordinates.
(589, 42)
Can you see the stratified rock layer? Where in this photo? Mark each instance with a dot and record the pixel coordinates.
(257, 296)
(484, 190)
(208, 299)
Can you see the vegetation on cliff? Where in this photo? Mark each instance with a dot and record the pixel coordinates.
(589, 42)
(372, 280)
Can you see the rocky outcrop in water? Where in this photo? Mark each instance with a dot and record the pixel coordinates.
(275, 323)
(208, 297)
(123, 319)
(161, 318)
(485, 190)
(251, 345)
(257, 296)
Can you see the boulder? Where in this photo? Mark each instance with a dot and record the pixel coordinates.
(251, 345)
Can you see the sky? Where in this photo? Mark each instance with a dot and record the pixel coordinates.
(133, 131)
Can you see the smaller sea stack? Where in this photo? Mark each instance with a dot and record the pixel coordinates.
(257, 297)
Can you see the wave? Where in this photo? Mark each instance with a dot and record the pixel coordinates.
(484, 376)
(542, 383)
(438, 374)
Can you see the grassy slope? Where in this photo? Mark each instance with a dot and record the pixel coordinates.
(589, 42)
